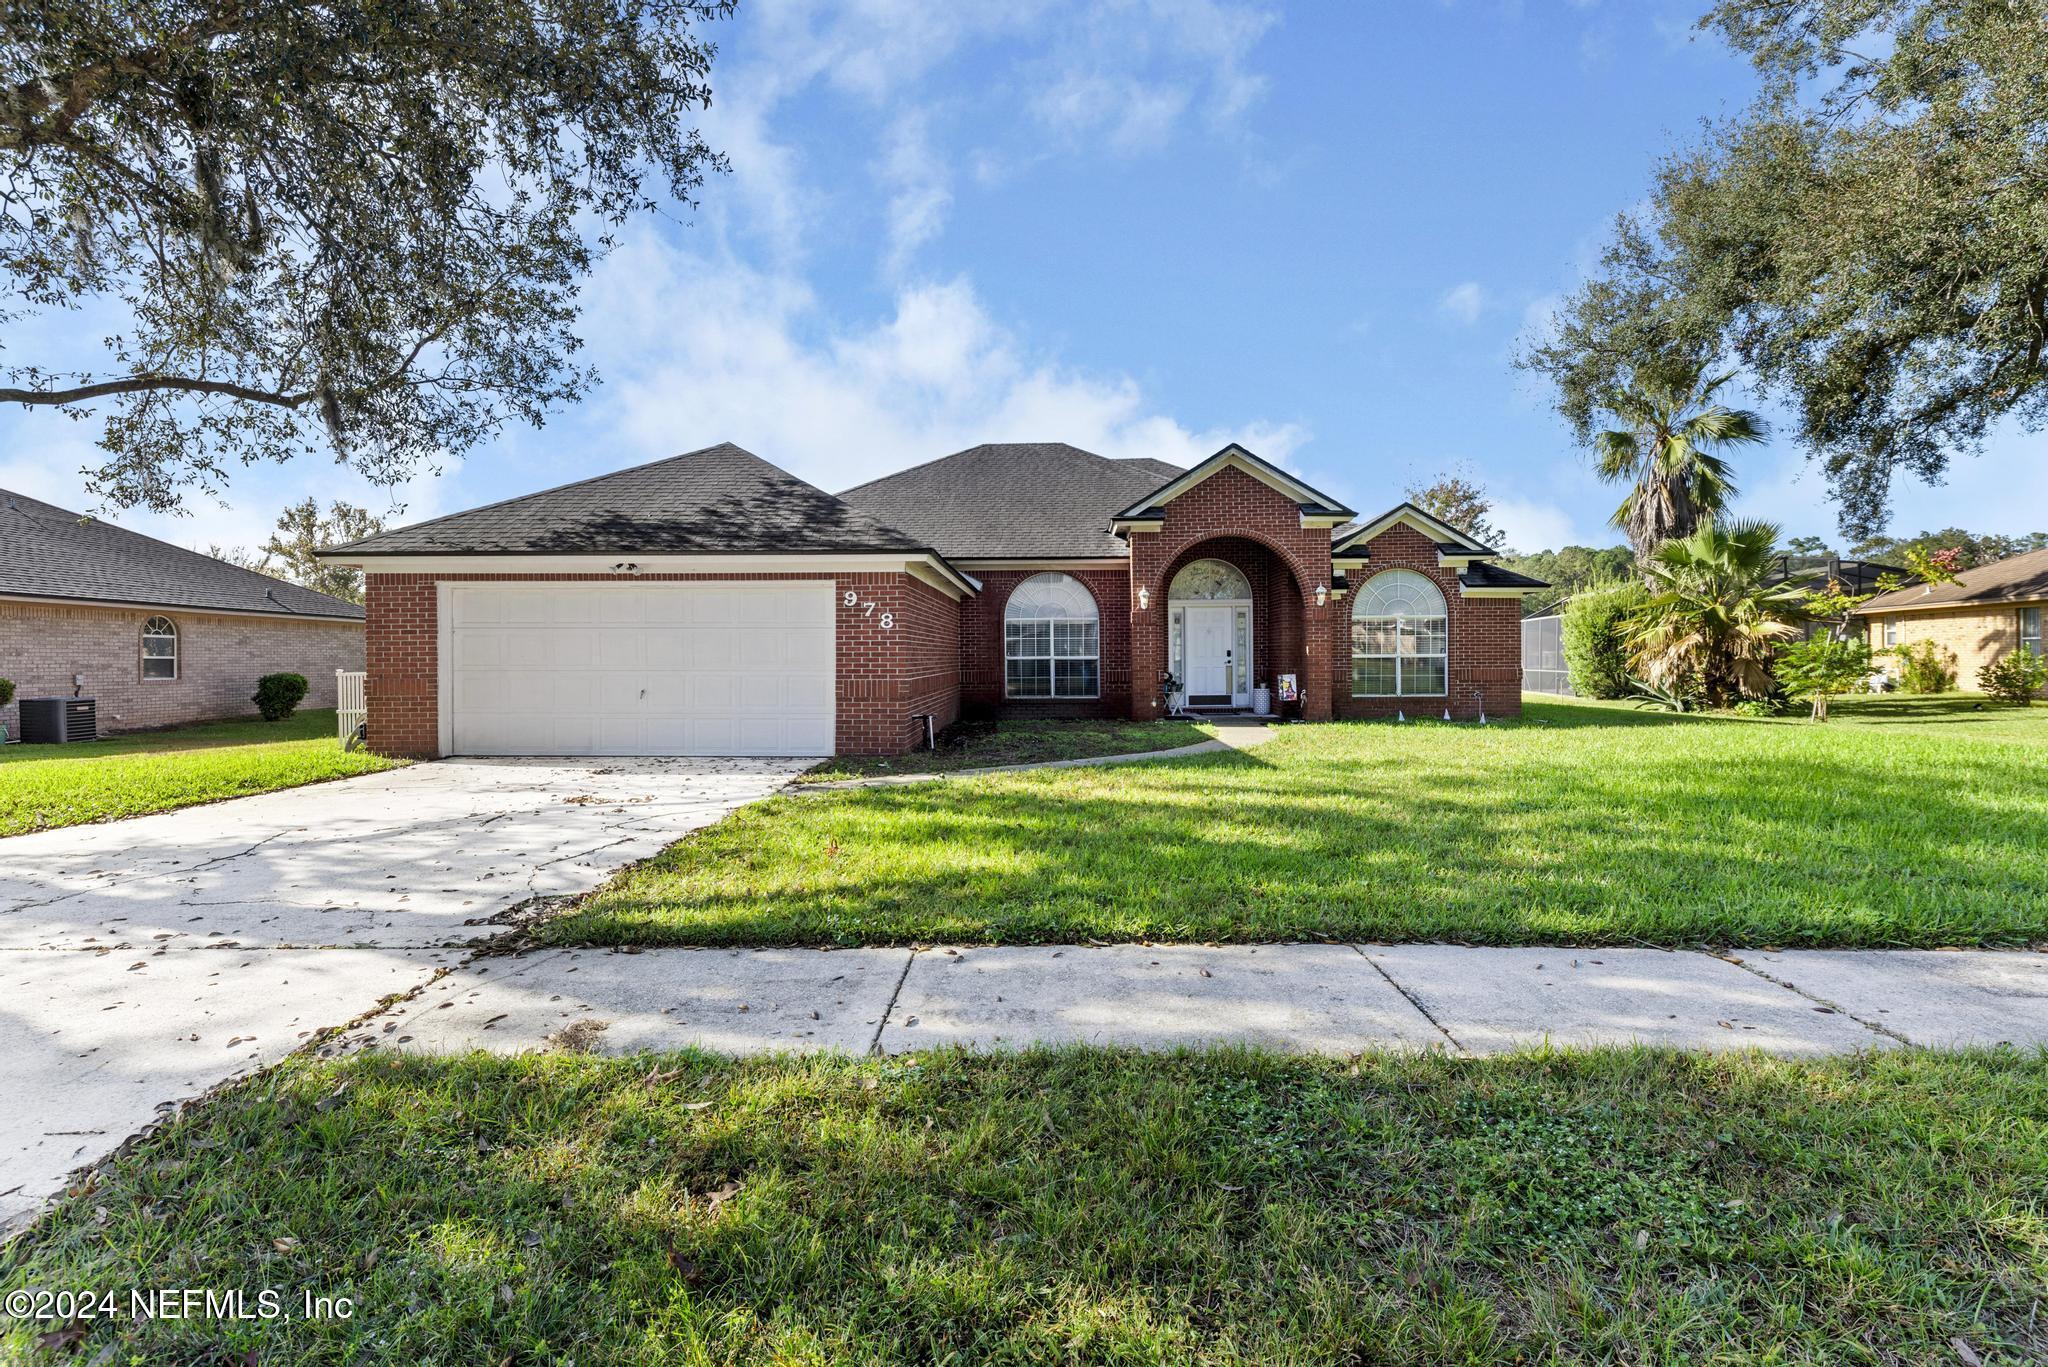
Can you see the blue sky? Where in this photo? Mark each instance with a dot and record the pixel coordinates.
(1147, 228)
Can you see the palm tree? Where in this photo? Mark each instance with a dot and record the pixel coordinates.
(1713, 622)
(1667, 453)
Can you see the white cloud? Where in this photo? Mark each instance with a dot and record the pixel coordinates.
(920, 198)
(1463, 303)
(751, 357)
(1534, 525)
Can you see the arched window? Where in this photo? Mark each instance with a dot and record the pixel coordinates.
(1400, 638)
(1052, 640)
(1211, 579)
(159, 648)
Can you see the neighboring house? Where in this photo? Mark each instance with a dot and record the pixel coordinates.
(714, 604)
(1989, 611)
(158, 634)
(1818, 571)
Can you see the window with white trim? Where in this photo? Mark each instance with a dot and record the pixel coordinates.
(1400, 638)
(2030, 630)
(1891, 631)
(159, 648)
(1052, 640)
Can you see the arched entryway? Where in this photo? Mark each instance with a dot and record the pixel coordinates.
(1211, 633)
(1233, 623)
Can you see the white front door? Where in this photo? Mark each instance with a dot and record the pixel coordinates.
(1210, 669)
(713, 668)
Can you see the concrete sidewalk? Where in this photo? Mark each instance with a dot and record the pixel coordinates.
(145, 961)
(1321, 998)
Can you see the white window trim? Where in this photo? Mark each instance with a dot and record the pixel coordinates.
(2034, 641)
(142, 655)
(1890, 627)
(1402, 624)
(1052, 655)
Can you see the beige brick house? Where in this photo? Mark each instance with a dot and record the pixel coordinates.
(157, 634)
(1993, 609)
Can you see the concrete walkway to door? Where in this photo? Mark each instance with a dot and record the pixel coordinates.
(1322, 998)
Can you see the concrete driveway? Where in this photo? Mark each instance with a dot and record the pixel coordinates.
(143, 962)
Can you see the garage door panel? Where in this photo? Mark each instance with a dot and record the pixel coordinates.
(811, 696)
(700, 669)
(618, 648)
(567, 692)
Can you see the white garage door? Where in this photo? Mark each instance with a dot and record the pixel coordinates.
(642, 669)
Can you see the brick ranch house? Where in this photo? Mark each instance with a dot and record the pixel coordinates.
(713, 604)
(159, 635)
(1991, 611)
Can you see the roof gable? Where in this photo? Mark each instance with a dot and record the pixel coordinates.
(1313, 502)
(1449, 540)
(720, 500)
(51, 552)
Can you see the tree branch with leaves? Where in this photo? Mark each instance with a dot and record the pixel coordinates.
(355, 227)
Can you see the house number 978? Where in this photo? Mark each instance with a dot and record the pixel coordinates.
(853, 600)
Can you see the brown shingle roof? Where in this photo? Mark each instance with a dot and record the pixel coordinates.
(49, 552)
(2015, 579)
(720, 500)
(1038, 500)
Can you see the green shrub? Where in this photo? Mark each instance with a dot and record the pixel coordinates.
(1925, 667)
(6, 692)
(2019, 677)
(279, 695)
(1595, 639)
(1821, 667)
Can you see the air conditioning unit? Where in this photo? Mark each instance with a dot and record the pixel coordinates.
(56, 721)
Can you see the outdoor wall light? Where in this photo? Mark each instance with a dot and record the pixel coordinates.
(1144, 598)
(1322, 594)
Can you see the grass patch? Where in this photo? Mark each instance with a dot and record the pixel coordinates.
(1906, 822)
(46, 786)
(975, 745)
(1089, 1206)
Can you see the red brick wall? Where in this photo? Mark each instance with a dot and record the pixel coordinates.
(1231, 503)
(887, 674)
(220, 657)
(1485, 645)
(981, 647)
(1275, 599)
(890, 675)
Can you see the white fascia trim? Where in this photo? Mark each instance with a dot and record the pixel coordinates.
(954, 587)
(1464, 592)
(1225, 460)
(1456, 562)
(187, 609)
(1322, 520)
(1070, 563)
(444, 668)
(1421, 522)
(1954, 605)
(1347, 562)
(956, 583)
(1137, 524)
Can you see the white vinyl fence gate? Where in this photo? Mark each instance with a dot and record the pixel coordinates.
(349, 711)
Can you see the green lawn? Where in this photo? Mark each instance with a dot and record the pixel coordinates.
(1087, 1206)
(974, 745)
(44, 786)
(1903, 822)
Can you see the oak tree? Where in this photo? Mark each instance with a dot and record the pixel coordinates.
(356, 225)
